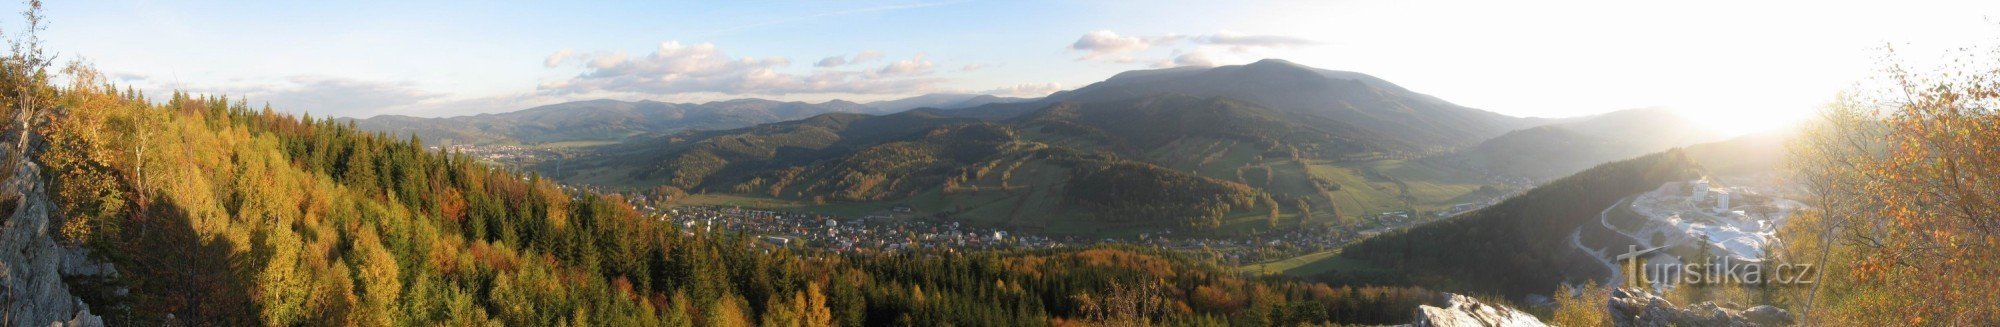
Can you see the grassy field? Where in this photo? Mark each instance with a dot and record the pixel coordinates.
(1358, 195)
(1429, 186)
(1310, 264)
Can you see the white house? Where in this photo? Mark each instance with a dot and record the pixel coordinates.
(1700, 189)
(1721, 200)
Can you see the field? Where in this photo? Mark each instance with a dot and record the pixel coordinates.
(1311, 264)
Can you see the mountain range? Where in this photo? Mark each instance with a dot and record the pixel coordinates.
(1360, 100)
(1230, 148)
(603, 121)
(1565, 147)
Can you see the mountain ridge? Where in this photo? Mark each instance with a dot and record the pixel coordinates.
(609, 120)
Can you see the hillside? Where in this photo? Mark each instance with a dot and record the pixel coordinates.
(1519, 246)
(1563, 148)
(940, 101)
(604, 121)
(1356, 99)
(1216, 163)
(859, 158)
(1755, 153)
(1138, 127)
(600, 120)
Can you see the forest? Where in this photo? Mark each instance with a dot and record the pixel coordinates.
(1519, 246)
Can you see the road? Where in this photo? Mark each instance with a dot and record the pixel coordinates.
(1576, 240)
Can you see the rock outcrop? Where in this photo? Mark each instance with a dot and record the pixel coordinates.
(1635, 307)
(1463, 311)
(32, 292)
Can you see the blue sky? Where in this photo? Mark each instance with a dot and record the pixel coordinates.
(1770, 60)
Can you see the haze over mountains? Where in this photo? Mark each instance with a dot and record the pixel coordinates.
(612, 120)
(1571, 145)
(1357, 99)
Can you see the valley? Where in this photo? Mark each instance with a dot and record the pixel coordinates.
(1284, 167)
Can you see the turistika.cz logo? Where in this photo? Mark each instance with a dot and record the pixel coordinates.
(1709, 271)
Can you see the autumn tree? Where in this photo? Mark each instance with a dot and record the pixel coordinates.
(1582, 306)
(1902, 177)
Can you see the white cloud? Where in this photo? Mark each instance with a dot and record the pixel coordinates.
(1108, 46)
(866, 56)
(675, 68)
(319, 95)
(558, 58)
(842, 60)
(1197, 57)
(972, 67)
(1227, 38)
(907, 67)
(834, 61)
(1101, 43)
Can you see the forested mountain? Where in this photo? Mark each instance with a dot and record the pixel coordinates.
(604, 120)
(1333, 140)
(861, 158)
(601, 120)
(1519, 246)
(1563, 148)
(940, 101)
(1139, 126)
(1356, 99)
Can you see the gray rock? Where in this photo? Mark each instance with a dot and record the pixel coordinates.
(1636, 307)
(1461, 311)
(1768, 315)
(32, 292)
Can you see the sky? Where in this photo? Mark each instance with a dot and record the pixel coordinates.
(1737, 66)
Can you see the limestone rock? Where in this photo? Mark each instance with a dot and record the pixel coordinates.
(1462, 311)
(32, 292)
(1636, 307)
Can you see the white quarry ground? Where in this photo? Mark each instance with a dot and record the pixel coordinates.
(1671, 218)
(1741, 234)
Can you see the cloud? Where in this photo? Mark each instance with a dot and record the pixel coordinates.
(1197, 57)
(1101, 43)
(972, 67)
(866, 56)
(907, 67)
(834, 61)
(837, 61)
(127, 77)
(1026, 90)
(1108, 46)
(325, 95)
(1227, 38)
(558, 58)
(675, 68)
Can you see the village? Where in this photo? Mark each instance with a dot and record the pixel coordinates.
(881, 233)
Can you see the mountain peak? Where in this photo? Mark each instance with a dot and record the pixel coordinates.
(1277, 62)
